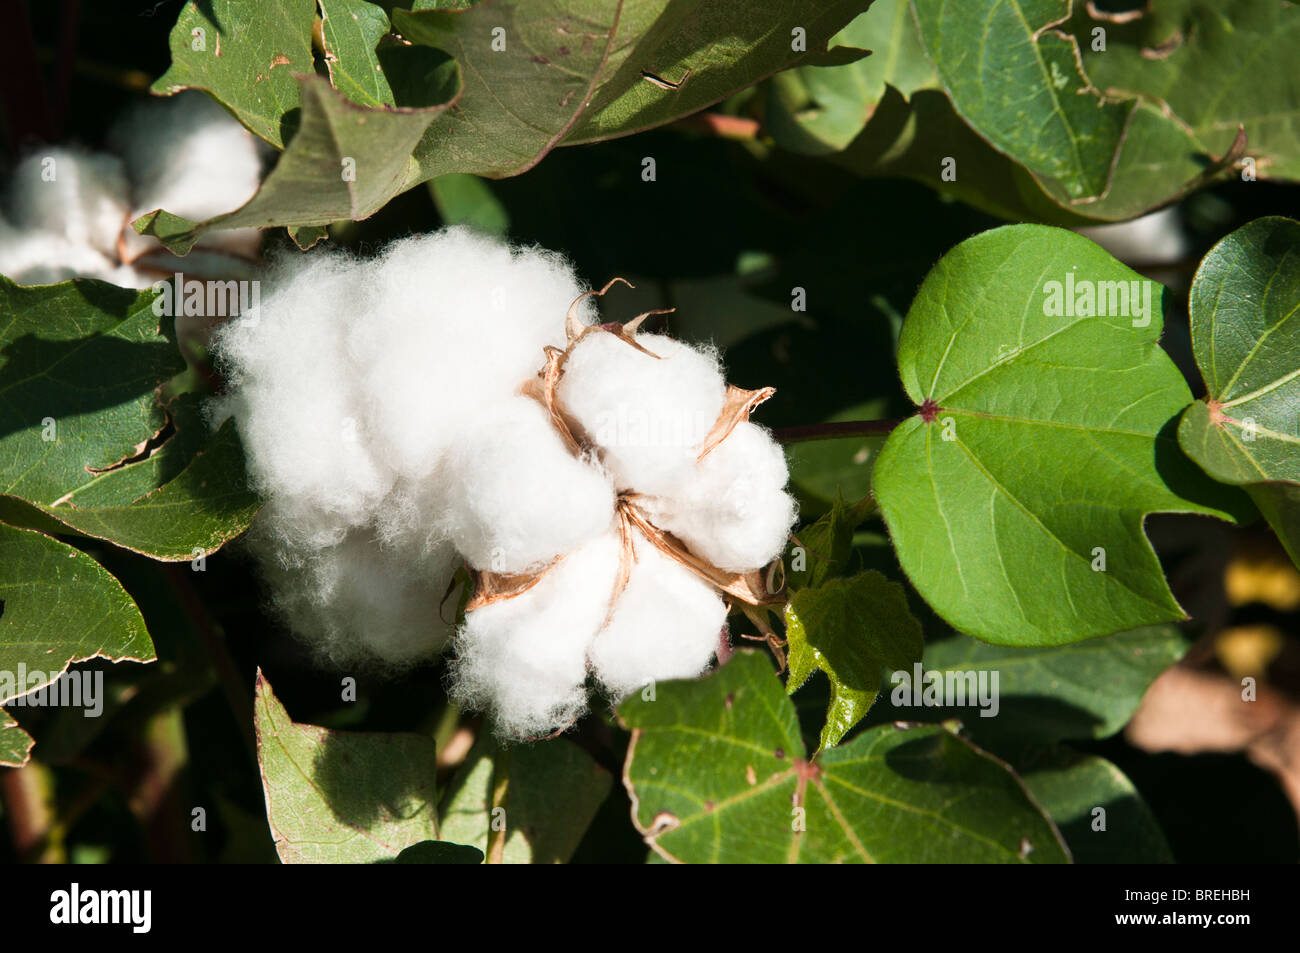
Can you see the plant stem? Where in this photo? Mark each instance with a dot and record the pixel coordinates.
(835, 430)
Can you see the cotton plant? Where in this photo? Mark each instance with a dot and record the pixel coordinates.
(67, 210)
(454, 402)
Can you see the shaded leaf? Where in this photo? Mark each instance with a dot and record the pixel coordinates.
(850, 629)
(717, 773)
(1015, 498)
(464, 199)
(1245, 314)
(15, 744)
(59, 606)
(824, 547)
(340, 796)
(439, 852)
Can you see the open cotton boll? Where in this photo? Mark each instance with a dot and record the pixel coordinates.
(358, 603)
(77, 195)
(187, 155)
(648, 414)
(517, 497)
(524, 659)
(43, 258)
(452, 321)
(732, 510)
(666, 624)
(296, 399)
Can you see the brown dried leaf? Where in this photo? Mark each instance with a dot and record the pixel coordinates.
(736, 408)
(490, 587)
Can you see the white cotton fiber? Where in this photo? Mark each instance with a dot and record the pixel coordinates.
(187, 155)
(517, 496)
(73, 194)
(42, 258)
(648, 414)
(358, 603)
(524, 659)
(732, 510)
(381, 397)
(667, 624)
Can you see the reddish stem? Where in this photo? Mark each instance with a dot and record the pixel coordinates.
(836, 429)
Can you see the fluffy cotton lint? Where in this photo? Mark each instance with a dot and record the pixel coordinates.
(79, 196)
(666, 624)
(648, 413)
(524, 659)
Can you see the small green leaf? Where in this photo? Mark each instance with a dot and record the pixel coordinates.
(824, 547)
(717, 773)
(851, 629)
(246, 55)
(1015, 499)
(1245, 312)
(464, 199)
(59, 606)
(553, 792)
(339, 796)
(351, 30)
(15, 744)
(439, 852)
(306, 236)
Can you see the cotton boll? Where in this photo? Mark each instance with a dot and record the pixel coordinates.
(732, 511)
(43, 258)
(518, 497)
(525, 658)
(297, 403)
(76, 195)
(472, 316)
(358, 603)
(187, 155)
(666, 624)
(648, 414)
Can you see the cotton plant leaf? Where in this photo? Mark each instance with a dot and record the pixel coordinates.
(58, 606)
(1099, 812)
(851, 629)
(246, 55)
(822, 549)
(1016, 496)
(535, 75)
(15, 744)
(87, 446)
(717, 773)
(553, 792)
(1083, 691)
(1245, 317)
(342, 797)
(1017, 81)
(1214, 68)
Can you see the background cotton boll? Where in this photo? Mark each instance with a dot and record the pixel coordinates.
(666, 624)
(77, 195)
(524, 659)
(517, 497)
(43, 258)
(472, 316)
(732, 510)
(647, 414)
(359, 603)
(187, 155)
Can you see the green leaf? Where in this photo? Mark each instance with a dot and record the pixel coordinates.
(344, 162)
(1072, 786)
(1245, 314)
(58, 606)
(464, 199)
(351, 30)
(553, 791)
(1211, 68)
(1081, 691)
(85, 444)
(824, 547)
(851, 629)
(820, 109)
(246, 56)
(1016, 497)
(1018, 83)
(563, 77)
(717, 773)
(15, 744)
(342, 797)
